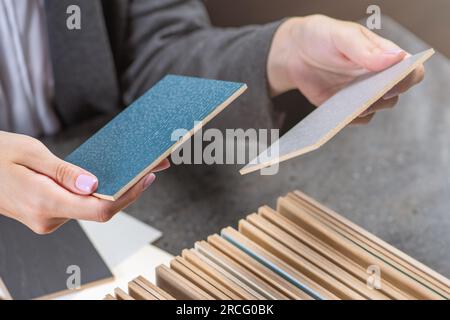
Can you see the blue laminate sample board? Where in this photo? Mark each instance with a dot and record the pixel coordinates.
(139, 138)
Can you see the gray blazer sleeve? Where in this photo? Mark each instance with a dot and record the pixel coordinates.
(176, 36)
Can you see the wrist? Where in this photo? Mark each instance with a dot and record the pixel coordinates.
(280, 57)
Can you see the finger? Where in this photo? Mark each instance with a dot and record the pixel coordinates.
(133, 194)
(48, 227)
(71, 177)
(381, 104)
(44, 227)
(411, 80)
(72, 206)
(365, 49)
(382, 43)
(30, 203)
(165, 164)
(364, 120)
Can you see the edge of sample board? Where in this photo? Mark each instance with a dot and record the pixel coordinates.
(140, 137)
(336, 113)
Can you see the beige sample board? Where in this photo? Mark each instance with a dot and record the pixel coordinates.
(334, 114)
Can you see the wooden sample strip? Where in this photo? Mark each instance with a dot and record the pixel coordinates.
(178, 286)
(366, 258)
(277, 265)
(184, 268)
(230, 270)
(34, 266)
(299, 263)
(139, 293)
(399, 259)
(244, 274)
(309, 255)
(196, 259)
(229, 295)
(273, 279)
(159, 293)
(122, 295)
(334, 114)
(333, 255)
(140, 137)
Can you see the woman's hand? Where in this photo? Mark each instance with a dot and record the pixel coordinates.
(319, 55)
(43, 191)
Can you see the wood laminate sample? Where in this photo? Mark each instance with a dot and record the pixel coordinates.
(334, 114)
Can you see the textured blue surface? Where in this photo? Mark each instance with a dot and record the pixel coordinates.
(139, 135)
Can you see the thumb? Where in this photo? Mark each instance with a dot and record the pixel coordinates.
(379, 60)
(72, 177)
(368, 50)
(67, 175)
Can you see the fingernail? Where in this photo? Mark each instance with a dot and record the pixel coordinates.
(367, 112)
(149, 180)
(390, 95)
(364, 114)
(393, 52)
(86, 183)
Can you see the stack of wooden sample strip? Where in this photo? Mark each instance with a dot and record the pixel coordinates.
(302, 250)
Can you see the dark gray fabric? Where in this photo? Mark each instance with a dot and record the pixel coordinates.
(125, 46)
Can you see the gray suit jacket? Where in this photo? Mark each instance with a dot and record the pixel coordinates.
(125, 46)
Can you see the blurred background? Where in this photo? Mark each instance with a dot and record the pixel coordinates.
(429, 20)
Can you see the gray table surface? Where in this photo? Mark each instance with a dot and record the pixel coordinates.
(392, 177)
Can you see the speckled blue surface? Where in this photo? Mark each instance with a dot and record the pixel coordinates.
(134, 139)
